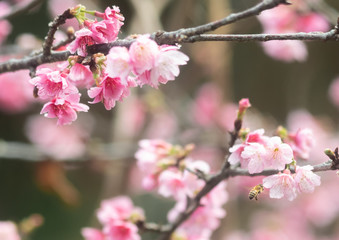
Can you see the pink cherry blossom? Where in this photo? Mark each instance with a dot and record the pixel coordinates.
(334, 92)
(278, 154)
(51, 83)
(256, 154)
(92, 234)
(16, 94)
(84, 38)
(171, 184)
(281, 185)
(206, 104)
(58, 142)
(166, 67)
(286, 19)
(112, 14)
(8, 231)
(143, 53)
(288, 50)
(103, 31)
(306, 179)
(81, 76)
(150, 152)
(121, 230)
(118, 208)
(109, 91)
(118, 63)
(5, 26)
(312, 22)
(64, 108)
(302, 142)
(236, 157)
(244, 103)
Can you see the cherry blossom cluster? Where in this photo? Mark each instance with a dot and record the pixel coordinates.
(258, 152)
(297, 17)
(145, 62)
(118, 217)
(168, 169)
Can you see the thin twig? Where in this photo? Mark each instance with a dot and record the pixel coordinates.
(53, 27)
(181, 34)
(311, 36)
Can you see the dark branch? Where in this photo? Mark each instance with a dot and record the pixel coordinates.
(53, 27)
(312, 36)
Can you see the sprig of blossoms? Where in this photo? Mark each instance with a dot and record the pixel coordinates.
(107, 78)
(118, 217)
(169, 169)
(288, 185)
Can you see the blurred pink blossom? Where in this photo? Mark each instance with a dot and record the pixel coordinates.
(5, 26)
(334, 92)
(16, 94)
(92, 234)
(290, 19)
(302, 142)
(121, 230)
(8, 231)
(58, 142)
(206, 105)
(118, 208)
(288, 50)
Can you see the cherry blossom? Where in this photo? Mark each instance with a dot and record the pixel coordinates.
(278, 153)
(15, 91)
(58, 142)
(84, 38)
(51, 83)
(8, 231)
(255, 154)
(5, 26)
(109, 91)
(121, 230)
(117, 215)
(119, 63)
(64, 108)
(287, 19)
(92, 234)
(81, 76)
(281, 185)
(143, 53)
(166, 67)
(302, 142)
(306, 179)
(118, 208)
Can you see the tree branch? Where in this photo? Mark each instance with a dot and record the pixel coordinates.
(311, 36)
(53, 27)
(180, 36)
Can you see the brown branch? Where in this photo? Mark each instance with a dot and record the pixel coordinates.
(311, 36)
(18, 10)
(53, 27)
(174, 37)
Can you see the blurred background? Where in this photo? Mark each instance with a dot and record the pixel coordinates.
(62, 173)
